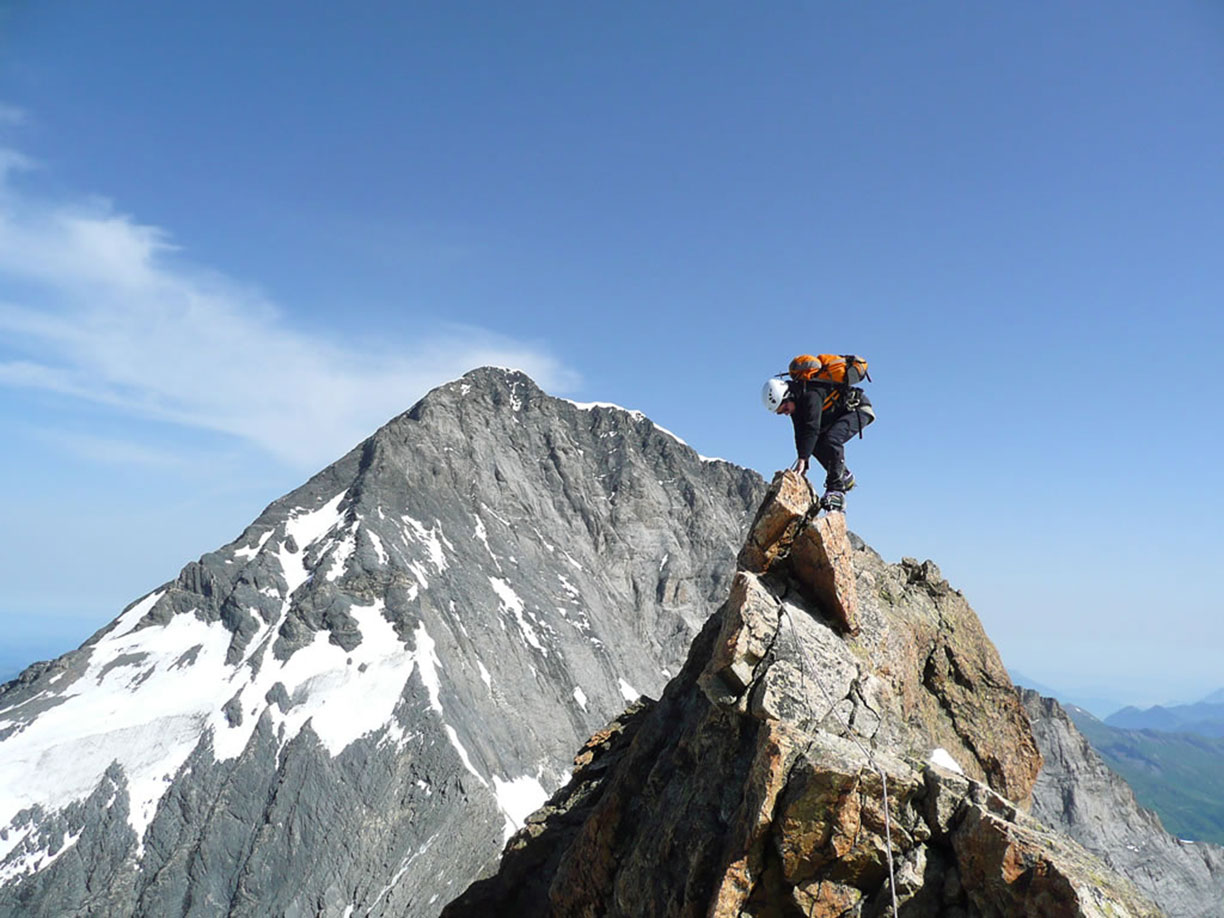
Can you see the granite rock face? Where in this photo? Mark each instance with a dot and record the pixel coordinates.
(353, 704)
(1078, 795)
(794, 766)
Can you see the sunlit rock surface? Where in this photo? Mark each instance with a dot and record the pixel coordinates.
(793, 755)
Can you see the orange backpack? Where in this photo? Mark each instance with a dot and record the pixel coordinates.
(844, 369)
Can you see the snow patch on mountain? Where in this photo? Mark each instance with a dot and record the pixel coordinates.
(12, 838)
(151, 703)
(301, 531)
(482, 535)
(943, 759)
(518, 798)
(246, 553)
(628, 692)
(418, 571)
(591, 406)
(570, 589)
(148, 702)
(403, 868)
(344, 695)
(432, 538)
(453, 736)
(340, 555)
(430, 664)
(347, 695)
(378, 547)
(512, 603)
(639, 416)
(131, 618)
(36, 860)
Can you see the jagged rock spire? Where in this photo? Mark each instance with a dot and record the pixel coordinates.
(756, 785)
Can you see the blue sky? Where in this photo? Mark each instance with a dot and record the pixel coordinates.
(234, 239)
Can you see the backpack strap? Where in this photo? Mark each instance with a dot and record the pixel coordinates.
(851, 360)
(848, 361)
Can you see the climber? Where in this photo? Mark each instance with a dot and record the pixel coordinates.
(827, 409)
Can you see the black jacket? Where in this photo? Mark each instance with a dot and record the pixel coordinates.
(814, 410)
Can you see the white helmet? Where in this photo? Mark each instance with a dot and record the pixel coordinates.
(774, 394)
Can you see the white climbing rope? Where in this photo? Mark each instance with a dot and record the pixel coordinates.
(847, 731)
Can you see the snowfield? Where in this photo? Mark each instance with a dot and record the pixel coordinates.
(154, 693)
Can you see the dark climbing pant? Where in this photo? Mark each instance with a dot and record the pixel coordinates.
(830, 449)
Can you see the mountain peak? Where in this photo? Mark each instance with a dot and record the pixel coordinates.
(395, 659)
(494, 382)
(507, 376)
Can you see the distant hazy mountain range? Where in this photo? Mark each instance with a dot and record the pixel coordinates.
(1171, 756)
(1205, 718)
(1179, 775)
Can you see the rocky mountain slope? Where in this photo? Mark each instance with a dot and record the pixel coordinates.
(842, 739)
(1077, 794)
(1180, 776)
(349, 708)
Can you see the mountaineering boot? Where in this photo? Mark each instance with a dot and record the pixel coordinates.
(833, 500)
(843, 484)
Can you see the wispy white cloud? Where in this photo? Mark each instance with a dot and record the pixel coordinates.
(113, 450)
(11, 161)
(101, 307)
(11, 115)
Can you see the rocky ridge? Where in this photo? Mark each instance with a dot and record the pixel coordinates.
(1077, 794)
(347, 709)
(837, 722)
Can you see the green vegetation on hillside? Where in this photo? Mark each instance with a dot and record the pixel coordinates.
(1178, 775)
